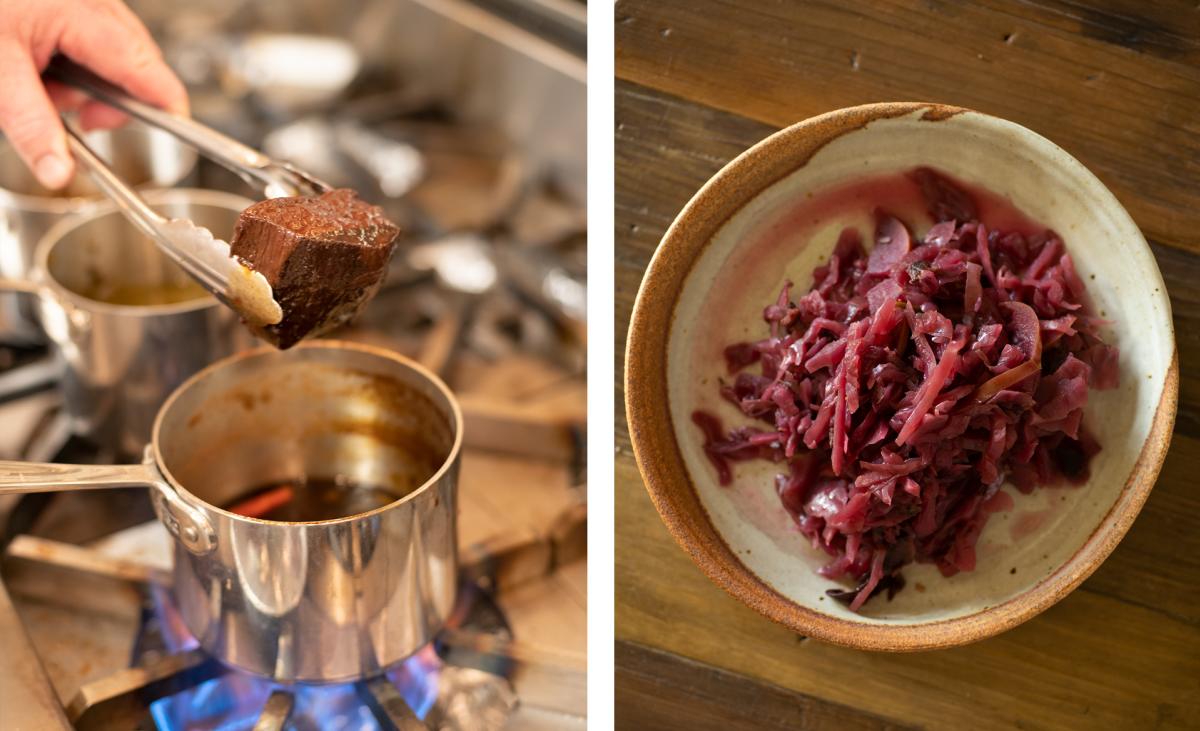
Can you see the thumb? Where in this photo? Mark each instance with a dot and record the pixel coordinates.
(30, 121)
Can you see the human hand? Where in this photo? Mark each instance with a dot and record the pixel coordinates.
(103, 35)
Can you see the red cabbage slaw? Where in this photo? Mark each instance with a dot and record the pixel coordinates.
(908, 384)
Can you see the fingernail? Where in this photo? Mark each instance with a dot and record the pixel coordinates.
(52, 171)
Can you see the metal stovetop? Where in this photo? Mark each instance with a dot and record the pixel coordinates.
(82, 638)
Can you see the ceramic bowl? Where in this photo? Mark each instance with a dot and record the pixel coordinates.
(727, 255)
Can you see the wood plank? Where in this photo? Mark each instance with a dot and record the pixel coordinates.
(544, 614)
(1168, 29)
(667, 147)
(514, 493)
(1088, 660)
(1159, 561)
(1129, 116)
(1090, 657)
(572, 579)
(1181, 275)
(1157, 564)
(657, 690)
(520, 379)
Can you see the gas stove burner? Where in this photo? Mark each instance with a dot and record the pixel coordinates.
(475, 675)
(455, 148)
(423, 692)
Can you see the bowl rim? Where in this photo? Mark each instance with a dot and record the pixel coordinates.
(660, 462)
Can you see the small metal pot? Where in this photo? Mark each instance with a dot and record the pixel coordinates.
(139, 154)
(123, 360)
(321, 601)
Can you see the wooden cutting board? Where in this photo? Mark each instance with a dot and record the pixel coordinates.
(1117, 86)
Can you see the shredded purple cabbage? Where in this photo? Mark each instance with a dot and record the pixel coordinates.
(907, 385)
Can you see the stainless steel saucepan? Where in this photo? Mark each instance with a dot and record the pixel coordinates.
(314, 432)
(128, 322)
(140, 154)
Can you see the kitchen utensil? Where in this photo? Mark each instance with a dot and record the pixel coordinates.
(141, 155)
(542, 279)
(396, 165)
(275, 178)
(122, 360)
(320, 601)
(324, 145)
(206, 258)
(289, 71)
(708, 283)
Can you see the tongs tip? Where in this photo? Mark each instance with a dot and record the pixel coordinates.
(288, 181)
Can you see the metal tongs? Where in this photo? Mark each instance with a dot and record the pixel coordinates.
(205, 257)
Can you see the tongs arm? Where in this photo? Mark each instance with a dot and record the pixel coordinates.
(193, 247)
(276, 178)
(132, 204)
(138, 212)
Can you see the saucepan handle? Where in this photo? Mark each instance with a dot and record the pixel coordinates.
(21, 477)
(185, 521)
(20, 286)
(79, 320)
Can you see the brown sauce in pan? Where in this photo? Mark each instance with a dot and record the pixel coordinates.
(309, 499)
(144, 294)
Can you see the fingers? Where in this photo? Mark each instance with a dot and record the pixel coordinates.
(65, 98)
(102, 35)
(97, 115)
(92, 114)
(112, 42)
(30, 120)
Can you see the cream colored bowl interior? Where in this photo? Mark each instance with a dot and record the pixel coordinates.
(725, 293)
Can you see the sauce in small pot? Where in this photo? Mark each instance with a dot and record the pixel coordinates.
(309, 499)
(144, 295)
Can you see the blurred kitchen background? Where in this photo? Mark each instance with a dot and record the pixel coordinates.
(465, 121)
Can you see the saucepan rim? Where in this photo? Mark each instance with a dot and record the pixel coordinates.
(448, 463)
(161, 196)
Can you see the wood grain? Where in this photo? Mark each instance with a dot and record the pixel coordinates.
(668, 692)
(1121, 652)
(1089, 658)
(1169, 29)
(1119, 91)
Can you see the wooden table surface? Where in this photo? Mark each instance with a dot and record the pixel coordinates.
(1119, 88)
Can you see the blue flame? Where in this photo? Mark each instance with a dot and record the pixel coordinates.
(234, 701)
(174, 633)
(417, 680)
